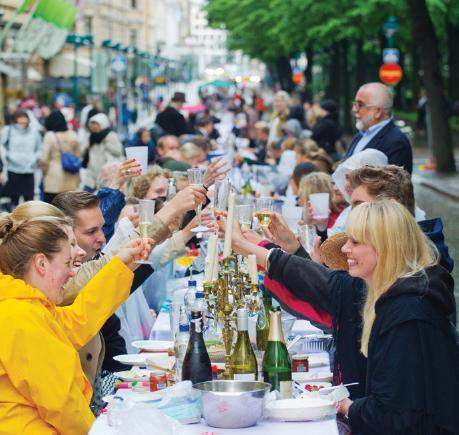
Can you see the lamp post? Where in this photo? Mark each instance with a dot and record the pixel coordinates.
(78, 41)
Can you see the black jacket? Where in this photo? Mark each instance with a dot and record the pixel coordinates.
(321, 291)
(392, 142)
(326, 133)
(413, 361)
(172, 121)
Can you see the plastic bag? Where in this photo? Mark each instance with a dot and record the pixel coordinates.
(143, 419)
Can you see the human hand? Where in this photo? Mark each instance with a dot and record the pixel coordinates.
(315, 252)
(321, 224)
(135, 250)
(342, 407)
(282, 235)
(252, 236)
(216, 170)
(128, 169)
(185, 200)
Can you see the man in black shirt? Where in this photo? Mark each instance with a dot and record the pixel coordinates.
(170, 119)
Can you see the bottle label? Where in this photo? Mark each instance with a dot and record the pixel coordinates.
(244, 376)
(285, 388)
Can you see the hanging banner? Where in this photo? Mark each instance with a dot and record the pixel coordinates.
(45, 33)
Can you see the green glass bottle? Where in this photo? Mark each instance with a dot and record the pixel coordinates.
(276, 361)
(263, 321)
(244, 363)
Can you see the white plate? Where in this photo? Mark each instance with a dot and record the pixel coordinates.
(153, 345)
(132, 359)
(309, 408)
(314, 384)
(312, 376)
(140, 375)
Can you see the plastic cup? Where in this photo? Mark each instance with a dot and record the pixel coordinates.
(140, 154)
(306, 236)
(292, 215)
(320, 203)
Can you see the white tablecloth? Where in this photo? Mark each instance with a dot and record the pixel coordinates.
(325, 427)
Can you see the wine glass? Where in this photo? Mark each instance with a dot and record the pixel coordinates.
(146, 212)
(244, 215)
(264, 210)
(195, 178)
(221, 195)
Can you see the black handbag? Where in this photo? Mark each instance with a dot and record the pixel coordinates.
(70, 162)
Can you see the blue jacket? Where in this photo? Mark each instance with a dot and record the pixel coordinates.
(392, 142)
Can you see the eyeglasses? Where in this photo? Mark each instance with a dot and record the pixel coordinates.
(361, 105)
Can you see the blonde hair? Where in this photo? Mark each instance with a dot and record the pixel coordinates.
(401, 247)
(141, 185)
(305, 147)
(316, 182)
(34, 209)
(20, 240)
(313, 115)
(190, 151)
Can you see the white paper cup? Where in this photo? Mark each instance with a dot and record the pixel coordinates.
(292, 215)
(320, 203)
(140, 154)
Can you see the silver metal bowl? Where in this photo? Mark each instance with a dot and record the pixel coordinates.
(232, 404)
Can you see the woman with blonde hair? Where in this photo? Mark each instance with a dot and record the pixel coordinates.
(43, 389)
(390, 316)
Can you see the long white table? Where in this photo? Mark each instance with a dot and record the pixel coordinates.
(323, 427)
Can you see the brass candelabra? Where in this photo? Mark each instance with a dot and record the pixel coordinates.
(231, 290)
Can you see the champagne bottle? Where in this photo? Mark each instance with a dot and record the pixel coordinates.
(243, 359)
(196, 364)
(263, 321)
(276, 362)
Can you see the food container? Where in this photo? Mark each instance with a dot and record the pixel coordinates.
(313, 343)
(158, 380)
(232, 404)
(300, 363)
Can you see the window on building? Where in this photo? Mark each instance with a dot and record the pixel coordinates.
(133, 38)
(133, 4)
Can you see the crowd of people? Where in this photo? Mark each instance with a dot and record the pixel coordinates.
(69, 251)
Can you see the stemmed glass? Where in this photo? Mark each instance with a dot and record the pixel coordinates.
(221, 195)
(146, 212)
(195, 178)
(263, 210)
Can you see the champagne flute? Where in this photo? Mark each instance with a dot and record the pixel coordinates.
(306, 236)
(221, 195)
(146, 212)
(264, 209)
(195, 178)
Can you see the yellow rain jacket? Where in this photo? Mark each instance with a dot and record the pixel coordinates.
(43, 389)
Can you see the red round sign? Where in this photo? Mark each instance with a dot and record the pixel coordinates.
(390, 73)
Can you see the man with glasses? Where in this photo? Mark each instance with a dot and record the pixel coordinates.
(372, 109)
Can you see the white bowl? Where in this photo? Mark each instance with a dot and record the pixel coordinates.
(139, 375)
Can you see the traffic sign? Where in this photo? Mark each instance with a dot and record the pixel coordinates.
(390, 73)
(119, 64)
(391, 55)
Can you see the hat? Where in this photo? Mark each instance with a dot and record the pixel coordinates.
(329, 105)
(179, 96)
(101, 119)
(330, 252)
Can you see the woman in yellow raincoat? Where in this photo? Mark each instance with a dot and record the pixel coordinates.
(43, 389)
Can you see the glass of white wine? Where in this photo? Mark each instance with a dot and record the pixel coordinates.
(263, 210)
(244, 215)
(195, 178)
(146, 212)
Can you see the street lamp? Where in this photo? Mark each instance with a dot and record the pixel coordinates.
(78, 41)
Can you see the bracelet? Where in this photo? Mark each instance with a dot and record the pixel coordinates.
(267, 264)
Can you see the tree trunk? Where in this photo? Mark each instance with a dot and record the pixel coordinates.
(308, 71)
(346, 86)
(426, 41)
(334, 72)
(453, 61)
(416, 78)
(284, 73)
(359, 64)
